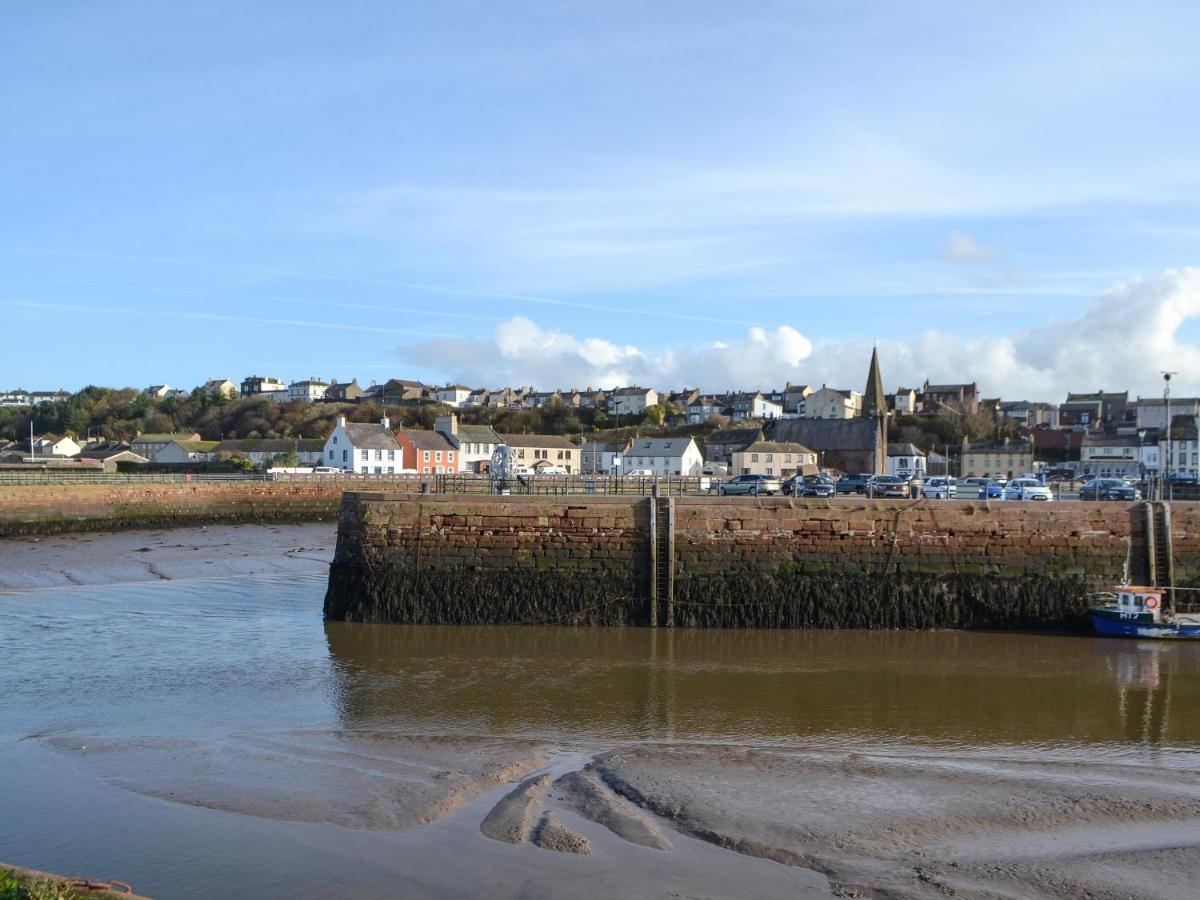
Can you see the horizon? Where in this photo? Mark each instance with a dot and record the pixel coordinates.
(682, 195)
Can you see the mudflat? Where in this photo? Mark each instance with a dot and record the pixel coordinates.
(217, 551)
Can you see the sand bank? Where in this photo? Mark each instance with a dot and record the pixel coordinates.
(852, 824)
(218, 551)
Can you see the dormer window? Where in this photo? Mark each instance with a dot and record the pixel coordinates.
(335, 438)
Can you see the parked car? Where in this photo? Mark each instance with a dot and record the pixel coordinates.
(751, 484)
(888, 486)
(1026, 489)
(974, 483)
(1109, 489)
(940, 488)
(852, 484)
(644, 473)
(810, 486)
(991, 490)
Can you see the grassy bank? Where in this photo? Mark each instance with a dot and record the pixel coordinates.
(27, 884)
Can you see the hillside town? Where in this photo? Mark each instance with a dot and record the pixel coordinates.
(795, 429)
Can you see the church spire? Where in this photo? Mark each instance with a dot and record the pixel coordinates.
(874, 403)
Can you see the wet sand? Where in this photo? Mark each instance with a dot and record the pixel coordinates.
(818, 822)
(218, 551)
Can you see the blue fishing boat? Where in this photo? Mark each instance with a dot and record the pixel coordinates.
(1138, 612)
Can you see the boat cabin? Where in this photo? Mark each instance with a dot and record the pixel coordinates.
(1134, 599)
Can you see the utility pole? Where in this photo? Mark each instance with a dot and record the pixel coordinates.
(1167, 412)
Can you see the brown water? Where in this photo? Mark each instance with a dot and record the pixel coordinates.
(216, 738)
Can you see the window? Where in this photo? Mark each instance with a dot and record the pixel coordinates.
(345, 456)
(391, 470)
(391, 456)
(425, 471)
(335, 438)
(378, 455)
(331, 454)
(437, 455)
(426, 452)
(364, 470)
(753, 457)
(366, 454)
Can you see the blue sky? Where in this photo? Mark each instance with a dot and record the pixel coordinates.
(581, 193)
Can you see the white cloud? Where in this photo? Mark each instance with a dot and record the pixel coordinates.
(1124, 339)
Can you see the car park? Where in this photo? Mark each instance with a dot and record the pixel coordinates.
(1026, 489)
(940, 488)
(752, 485)
(1109, 489)
(852, 484)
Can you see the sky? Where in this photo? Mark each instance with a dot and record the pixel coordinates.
(579, 194)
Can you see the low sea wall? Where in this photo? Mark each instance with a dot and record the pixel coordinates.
(60, 508)
(741, 562)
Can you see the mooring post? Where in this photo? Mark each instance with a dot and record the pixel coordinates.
(1168, 554)
(652, 535)
(669, 562)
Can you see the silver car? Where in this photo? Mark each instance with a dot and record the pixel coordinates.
(751, 484)
(940, 488)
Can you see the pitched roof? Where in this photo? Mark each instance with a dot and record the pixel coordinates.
(538, 440)
(827, 434)
(197, 446)
(903, 450)
(271, 445)
(735, 436)
(605, 446)
(370, 436)
(665, 447)
(427, 440)
(775, 447)
(478, 434)
(163, 438)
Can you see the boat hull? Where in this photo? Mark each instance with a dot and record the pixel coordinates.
(1113, 624)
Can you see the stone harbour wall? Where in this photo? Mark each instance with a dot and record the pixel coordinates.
(736, 562)
(58, 508)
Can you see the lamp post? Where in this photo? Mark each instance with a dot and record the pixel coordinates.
(1169, 492)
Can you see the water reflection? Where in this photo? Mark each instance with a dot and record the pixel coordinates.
(949, 687)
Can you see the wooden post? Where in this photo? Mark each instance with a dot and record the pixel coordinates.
(669, 562)
(652, 534)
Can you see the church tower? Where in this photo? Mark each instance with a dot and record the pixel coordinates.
(875, 405)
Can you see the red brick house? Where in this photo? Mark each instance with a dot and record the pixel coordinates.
(428, 452)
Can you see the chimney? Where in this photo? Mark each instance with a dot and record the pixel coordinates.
(341, 420)
(386, 422)
(447, 425)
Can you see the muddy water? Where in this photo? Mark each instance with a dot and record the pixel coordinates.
(215, 737)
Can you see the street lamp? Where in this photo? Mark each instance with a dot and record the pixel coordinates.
(1167, 412)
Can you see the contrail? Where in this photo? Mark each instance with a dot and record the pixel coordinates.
(221, 317)
(152, 289)
(352, 279)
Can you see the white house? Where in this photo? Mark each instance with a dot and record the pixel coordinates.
(158, 391)
(603, 457)
(906, 461)
(904, 401)
(14, 398)
(364, 448)
(1111, 456)
(310, 390)
(755, 406)
(185, 452)
(663, 456)
(452, 395)
(478, 397)
(148, 445)
(1183, 457)
(474, 443)
(830, 403)
(631, 401)
(51, 445)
